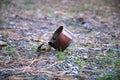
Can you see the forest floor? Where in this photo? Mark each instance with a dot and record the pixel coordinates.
(93, 55)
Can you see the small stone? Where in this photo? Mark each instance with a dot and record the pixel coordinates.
(70, 65)
(85, 56)
(87, 25)
(3, 44)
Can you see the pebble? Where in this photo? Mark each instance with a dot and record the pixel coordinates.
(3, 44)
(87, 25)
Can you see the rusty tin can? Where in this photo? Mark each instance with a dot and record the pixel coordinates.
(61, 39)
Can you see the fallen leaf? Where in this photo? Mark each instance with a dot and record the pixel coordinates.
(39, 39)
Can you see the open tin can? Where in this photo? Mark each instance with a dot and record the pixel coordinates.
(61, 39)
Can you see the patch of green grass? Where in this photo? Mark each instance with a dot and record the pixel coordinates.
(61, 55)
(117, 63)
(71, 22)
(97, 11)
(47, 10)
(78, 62)
(106, 76)
(84, 7)
(117, 68)
(33, 48)
(11, 52)
(76, 10)
(107, 59)
(4, 9)
(27, 5)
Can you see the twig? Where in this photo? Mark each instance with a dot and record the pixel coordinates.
(56, 73)
(54, 64)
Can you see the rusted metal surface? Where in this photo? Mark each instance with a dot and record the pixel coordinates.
(61, 39)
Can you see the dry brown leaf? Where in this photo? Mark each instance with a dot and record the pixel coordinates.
(39, 39)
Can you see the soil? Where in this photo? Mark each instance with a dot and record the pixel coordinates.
(29, 24)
